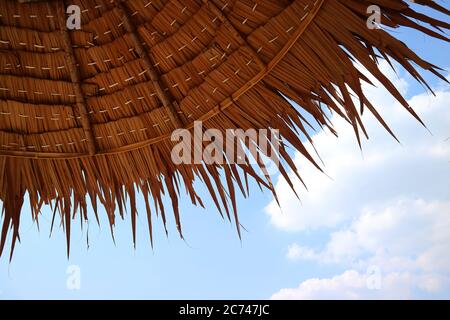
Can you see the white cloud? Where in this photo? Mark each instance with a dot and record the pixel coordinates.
(418, 167)
(410, 229)
(388, 206)
(407, 236)
(353, 284)
(350, 285)
(296, 252)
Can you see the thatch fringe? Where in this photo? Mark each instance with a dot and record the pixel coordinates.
(230, 64)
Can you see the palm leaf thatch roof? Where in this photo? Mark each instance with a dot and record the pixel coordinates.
(87, 114)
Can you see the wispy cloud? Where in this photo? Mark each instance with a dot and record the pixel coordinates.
(387, 207)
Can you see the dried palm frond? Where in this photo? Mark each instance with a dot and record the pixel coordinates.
(88, 114)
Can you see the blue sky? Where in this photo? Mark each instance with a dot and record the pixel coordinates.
(305, 251)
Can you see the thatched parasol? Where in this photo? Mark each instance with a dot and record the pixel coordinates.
(87, 114)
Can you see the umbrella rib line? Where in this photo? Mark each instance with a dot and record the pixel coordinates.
(81, 104)
(171, 107)
(242, 41)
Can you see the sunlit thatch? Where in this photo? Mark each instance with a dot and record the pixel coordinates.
(88, 114)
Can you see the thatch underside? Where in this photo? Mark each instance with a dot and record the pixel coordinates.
(87, 115)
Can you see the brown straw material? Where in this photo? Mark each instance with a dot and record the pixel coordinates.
(87, 115)
(71, 63)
